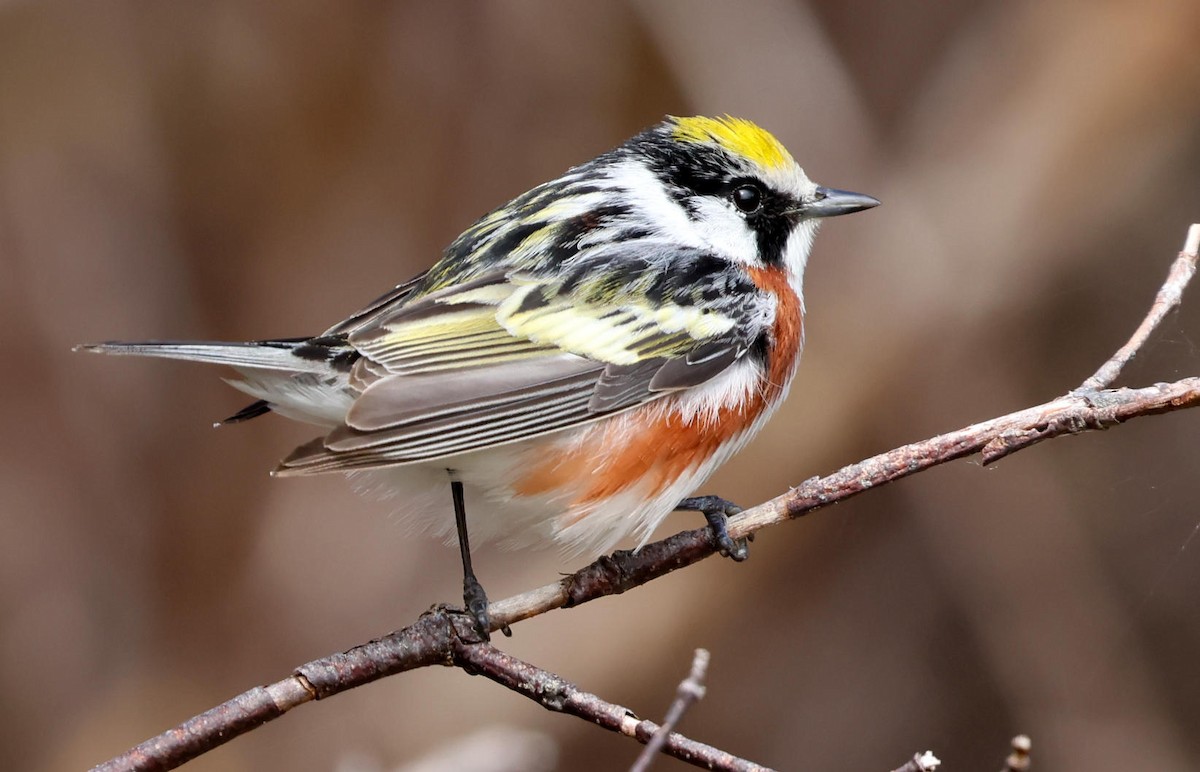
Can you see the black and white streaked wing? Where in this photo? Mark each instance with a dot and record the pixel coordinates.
(508, 357)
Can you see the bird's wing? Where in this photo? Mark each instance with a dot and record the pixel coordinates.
(378, 307)
(509, 356)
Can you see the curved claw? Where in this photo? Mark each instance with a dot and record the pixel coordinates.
(735, 550)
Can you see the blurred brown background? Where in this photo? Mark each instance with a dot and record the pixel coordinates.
(230, 170)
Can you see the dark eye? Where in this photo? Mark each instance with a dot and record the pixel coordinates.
(747, 198)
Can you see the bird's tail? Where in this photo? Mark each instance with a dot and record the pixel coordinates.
(259, 354)
(301, 377)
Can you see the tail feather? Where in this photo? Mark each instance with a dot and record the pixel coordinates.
(253, 410)
(303, 378)
(266, 354)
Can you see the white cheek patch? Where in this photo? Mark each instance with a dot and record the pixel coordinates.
(724, 231)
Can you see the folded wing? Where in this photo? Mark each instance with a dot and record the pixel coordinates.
(509, 356)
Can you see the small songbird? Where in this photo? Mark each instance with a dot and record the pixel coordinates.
(578, 361)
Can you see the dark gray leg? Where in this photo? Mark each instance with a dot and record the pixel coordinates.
(474, 598)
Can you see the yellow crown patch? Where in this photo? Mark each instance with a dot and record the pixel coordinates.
(736, 135)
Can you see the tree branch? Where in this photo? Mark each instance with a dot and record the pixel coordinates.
(445, 636)
(557, 694)
(1168, 298)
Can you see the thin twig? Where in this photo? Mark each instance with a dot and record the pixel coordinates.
(425, 642)
(441, 635)
(557, 694)
(690, 691)
(920, 762)
(1169, 296)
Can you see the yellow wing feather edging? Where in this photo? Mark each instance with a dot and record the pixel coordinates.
(513, 320)
(621, 333)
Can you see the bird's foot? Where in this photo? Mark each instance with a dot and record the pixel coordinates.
(475, 600)
(717, 511)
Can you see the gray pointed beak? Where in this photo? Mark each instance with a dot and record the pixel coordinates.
(829, 202)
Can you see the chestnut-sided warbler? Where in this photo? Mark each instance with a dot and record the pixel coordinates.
(579, 360)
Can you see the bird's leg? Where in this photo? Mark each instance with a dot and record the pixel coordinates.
(716, 511)
(474, 598)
